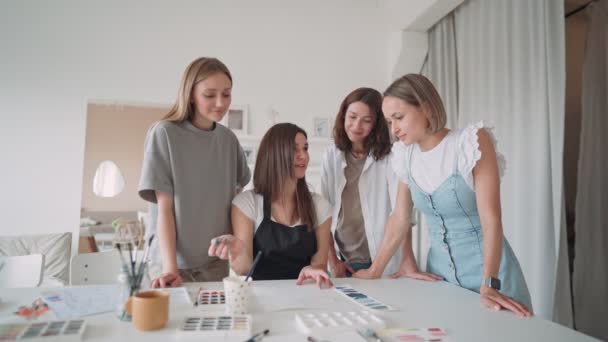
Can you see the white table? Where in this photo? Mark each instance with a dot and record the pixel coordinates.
(420, 305)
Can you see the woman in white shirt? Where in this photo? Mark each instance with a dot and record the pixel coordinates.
(360, 185)
(279, 218)
(453, 177)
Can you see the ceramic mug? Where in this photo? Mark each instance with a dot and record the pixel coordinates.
(149, 309)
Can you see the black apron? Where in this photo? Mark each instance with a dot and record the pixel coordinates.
(285, 250)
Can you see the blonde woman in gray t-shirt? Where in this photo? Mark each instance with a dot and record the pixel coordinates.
(192, 167)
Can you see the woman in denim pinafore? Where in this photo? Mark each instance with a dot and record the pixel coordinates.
(456, 236)
(462, 208)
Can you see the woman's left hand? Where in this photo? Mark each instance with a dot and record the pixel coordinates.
(320, 277)
(492, 299)
(414, 273)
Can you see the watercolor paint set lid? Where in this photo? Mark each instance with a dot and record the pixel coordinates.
(51, 331)
(323, 323)
(210, 300)
(216, 326)
(366, 301)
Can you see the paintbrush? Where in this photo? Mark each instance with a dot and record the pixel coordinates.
(255, 262)
(122, 258)
(131, 235)
(131, 260)
(143, 262)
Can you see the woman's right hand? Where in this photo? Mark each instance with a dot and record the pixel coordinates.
(225, 246)
(317, 274)
(338, 268)
(169, 279)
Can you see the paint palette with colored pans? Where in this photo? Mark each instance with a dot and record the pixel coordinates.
(323, 323)
(362, 299)
(71, 330)
(211, 300)
(216, 326)
(414, 335)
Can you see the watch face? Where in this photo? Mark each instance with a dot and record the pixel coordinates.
(492, 282)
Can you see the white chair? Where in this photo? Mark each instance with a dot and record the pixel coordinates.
(95, 268)
(55, 247)
(21, 271)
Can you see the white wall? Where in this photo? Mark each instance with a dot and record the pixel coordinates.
(415, 15)
(408, 22)
(300, 58)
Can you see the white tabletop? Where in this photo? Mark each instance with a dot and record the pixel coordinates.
(420, 305)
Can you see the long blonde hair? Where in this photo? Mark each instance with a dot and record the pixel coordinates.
(197, 71)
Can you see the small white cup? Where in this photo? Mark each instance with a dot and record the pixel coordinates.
(238, 295)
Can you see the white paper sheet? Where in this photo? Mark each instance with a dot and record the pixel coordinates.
(76, 302)
(268, 299)
(179, 296)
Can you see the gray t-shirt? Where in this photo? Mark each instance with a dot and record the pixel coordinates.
(202, 170)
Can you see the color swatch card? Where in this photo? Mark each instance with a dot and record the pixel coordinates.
(414, 335)
(326, 323)
(216, 326)
(210, 300)
(43, 331)
(75, 302)
(362, 299)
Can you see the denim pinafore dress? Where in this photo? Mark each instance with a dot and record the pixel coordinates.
(456, 251)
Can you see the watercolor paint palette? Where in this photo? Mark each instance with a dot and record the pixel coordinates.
(362, 299)
(211, 300)
(216, 326)
(414, 335)
(323, 323)
(51, 331)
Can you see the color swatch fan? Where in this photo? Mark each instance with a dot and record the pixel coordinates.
(216, 326)
(414, 335)
(362, 299)
(52, 331)
(211, 300)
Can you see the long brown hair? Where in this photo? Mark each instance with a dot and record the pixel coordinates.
(274, 166)
(378, 142)
(197, 71)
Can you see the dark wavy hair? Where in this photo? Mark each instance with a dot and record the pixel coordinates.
(378, 142)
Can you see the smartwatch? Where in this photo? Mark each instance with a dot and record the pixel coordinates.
(491, 282)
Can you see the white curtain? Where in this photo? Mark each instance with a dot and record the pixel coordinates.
(441, 68)
(590, 277)
(511, 74)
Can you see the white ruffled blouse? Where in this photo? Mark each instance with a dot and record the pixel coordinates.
(431, 168)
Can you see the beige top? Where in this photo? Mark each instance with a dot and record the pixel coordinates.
(350, 230)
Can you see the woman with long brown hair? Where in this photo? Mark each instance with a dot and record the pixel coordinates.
(191, 170)
(280, 217)
(360, 185)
